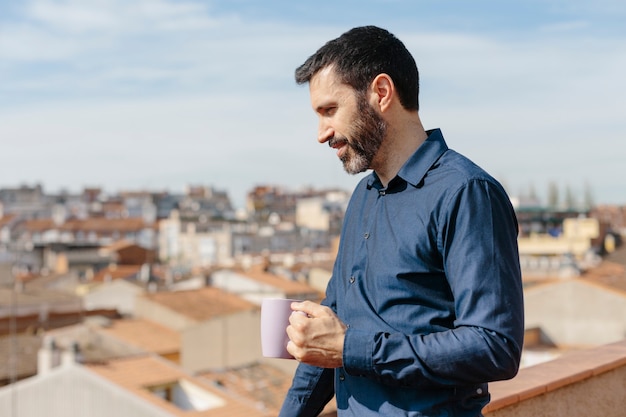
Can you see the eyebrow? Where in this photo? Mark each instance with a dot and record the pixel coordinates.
(325, 105)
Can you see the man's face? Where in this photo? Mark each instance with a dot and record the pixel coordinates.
(346, 121)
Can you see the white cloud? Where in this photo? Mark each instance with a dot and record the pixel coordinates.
(532, 109)
(119, 16)
(72, 16)
(567, 26)
(24, 42)
(161, 93)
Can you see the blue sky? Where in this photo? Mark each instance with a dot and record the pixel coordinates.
(158, 94)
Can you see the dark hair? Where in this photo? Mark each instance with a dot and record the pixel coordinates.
(362, 53)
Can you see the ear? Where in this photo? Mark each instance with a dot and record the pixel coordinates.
(383, 91)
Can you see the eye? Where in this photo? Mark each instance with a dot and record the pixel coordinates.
(326, 110)
(329, 111)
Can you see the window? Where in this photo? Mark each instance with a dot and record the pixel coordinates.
(186, 396)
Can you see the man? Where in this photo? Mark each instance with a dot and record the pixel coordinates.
(424, 306)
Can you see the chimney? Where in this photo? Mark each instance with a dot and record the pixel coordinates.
(70, 355)
(48, 356)
(144, 273)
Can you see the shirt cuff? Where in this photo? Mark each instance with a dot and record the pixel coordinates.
(357, 352)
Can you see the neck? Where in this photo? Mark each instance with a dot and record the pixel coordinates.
(402, 140)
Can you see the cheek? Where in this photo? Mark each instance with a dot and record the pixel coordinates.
(345, 128)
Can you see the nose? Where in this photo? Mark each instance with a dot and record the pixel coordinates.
(324, 132)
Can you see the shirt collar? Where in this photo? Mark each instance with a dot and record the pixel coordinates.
(415, 168)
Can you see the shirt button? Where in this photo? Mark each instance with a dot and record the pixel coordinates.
(382, 192)
(479, 391)
(366, 235)
(352, 279)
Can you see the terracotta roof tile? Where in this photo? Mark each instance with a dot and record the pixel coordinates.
(260, 384)
(202, 304)
(20, 350)
(138, 374)
(608, 274)
(34, 296)
(38, 225)
(92, 224)
(101, 224)
(286, 285)
(144, 334)
(6, 219)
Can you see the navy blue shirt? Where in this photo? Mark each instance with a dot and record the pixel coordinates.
(427, 280)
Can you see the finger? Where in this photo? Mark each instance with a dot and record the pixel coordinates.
(294, 351)
(291, 348)
(296, 331)
(311, 309)
(295, 342)
(296, 317)
(294, 334)
(299, 306)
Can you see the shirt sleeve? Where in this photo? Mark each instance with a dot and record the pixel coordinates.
(477, 239)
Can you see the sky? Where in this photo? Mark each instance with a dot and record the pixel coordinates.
(162, 94)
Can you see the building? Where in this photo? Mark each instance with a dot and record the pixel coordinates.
(563, 252)
(217, 329)
(139, 386)
(255, 284)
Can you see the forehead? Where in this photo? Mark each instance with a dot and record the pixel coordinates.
(326, 88)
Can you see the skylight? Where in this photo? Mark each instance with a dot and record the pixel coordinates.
(186, 396)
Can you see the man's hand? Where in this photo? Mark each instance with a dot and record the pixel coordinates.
(316, 337)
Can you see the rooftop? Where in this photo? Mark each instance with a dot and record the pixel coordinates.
(260, 384)
(19, 356)
(608, 273)
(151, 378)
(144, 334)
(34, 297)
(201, 304)
(114, 271)
(286, 285)
(587, 383)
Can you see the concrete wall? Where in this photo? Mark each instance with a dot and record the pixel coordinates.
(145, 308)
(602, 396)
(590, 383)
(245, 287)
(227, 341)
(310, 214)
(318, 278)
(576, 313)
(576, 239)
(119, 295)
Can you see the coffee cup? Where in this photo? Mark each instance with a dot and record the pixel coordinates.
(275, 314)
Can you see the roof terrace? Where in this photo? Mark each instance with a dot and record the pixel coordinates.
(584, 383)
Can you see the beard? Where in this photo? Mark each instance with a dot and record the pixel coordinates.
(367, 136)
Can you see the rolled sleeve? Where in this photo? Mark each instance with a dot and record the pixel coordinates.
(357, 352)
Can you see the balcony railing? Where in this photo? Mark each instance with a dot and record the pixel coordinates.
(586, 383)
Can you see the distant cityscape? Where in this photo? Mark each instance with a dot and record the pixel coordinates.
(158, 293)
(200, 228)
